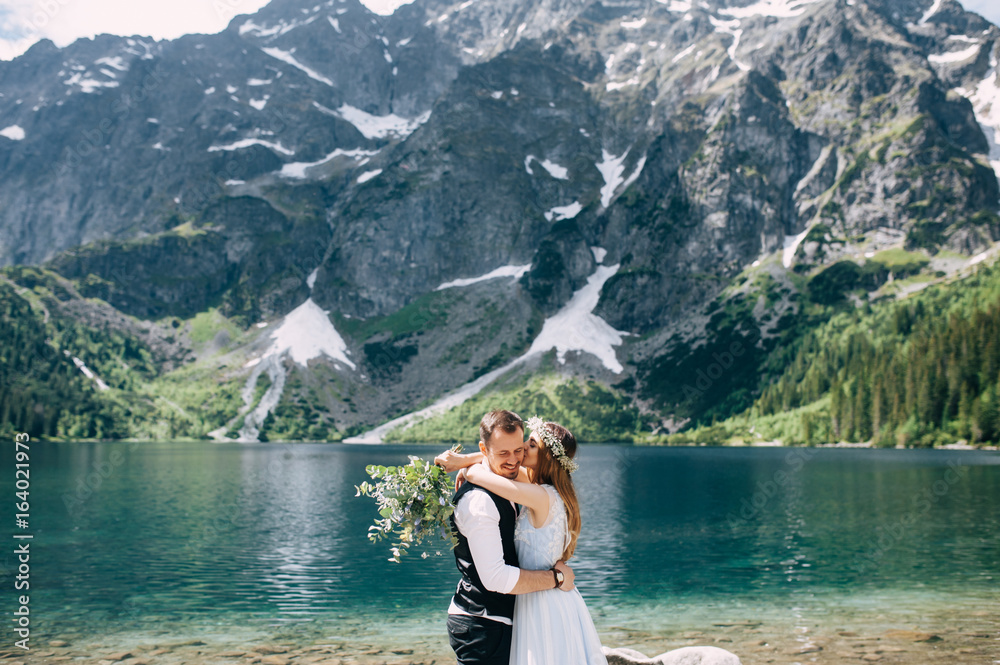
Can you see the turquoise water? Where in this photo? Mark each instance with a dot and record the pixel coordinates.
(185, 537)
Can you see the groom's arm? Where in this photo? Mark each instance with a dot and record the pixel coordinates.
(530, 581)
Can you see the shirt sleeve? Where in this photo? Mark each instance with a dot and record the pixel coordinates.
(479, 520)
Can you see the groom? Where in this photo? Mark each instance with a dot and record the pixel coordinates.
(480, 618)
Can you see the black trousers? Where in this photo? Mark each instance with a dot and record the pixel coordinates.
(479, 641)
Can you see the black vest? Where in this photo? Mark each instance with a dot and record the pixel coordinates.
(471, 596)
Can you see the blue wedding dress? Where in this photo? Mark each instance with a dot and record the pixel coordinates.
(551, 627)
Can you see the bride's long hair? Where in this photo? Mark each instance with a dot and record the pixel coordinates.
(551, 472)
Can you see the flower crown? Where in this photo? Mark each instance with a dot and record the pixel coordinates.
(555, 446)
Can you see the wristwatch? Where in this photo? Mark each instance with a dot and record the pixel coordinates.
(560, 578)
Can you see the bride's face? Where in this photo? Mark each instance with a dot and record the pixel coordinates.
(531, 452)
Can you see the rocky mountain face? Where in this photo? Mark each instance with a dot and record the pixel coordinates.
(633, 184)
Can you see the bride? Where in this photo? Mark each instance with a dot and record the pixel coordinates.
(550, 627)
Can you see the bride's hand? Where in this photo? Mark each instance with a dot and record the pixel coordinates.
(460, 480)
(568, 575)
(451, 461)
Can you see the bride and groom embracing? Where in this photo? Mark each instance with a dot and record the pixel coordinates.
(517, 520)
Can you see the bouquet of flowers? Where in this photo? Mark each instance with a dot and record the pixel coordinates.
(414, 503)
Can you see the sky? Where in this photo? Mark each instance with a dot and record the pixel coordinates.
(989, 9)
(24, 22)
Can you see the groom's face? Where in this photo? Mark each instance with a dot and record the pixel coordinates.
(504, 452)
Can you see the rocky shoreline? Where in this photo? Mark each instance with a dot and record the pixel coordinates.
(974, 643)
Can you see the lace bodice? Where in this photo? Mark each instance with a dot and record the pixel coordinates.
(538, 549)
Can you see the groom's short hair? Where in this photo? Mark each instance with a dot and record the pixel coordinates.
(501, 419)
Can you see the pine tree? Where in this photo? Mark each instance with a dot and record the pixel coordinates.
(985, 416)
(964, 420)
(836, 407)
(878, 401)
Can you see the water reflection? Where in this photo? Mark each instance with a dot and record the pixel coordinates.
(600, 560)
(297, 537)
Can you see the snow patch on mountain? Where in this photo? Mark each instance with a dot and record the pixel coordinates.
(258, 30)
(618, 85)
(515, 272)
(89, 85)
(306, 333)
(13, 132)
(635, 174)
(116, 62)
(288, 58)
(814, 169)
(245, 143)
(368, 175)
(377, 126)
(576, 328)
(934, 8)
(985, 100)
(564, 212)
(954, 56)
(298, 169)
(555, 170)
(791, 244)
(731, 28)
(683, 54)
(281, 28)
(613, 171)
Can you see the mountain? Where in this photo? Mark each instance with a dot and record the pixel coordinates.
(321, 220)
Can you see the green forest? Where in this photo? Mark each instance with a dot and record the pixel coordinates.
(921, 371)
(44, 393)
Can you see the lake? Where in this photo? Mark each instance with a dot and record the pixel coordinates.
(779, 554)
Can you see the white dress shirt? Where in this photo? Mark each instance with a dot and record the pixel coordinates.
(478, 519)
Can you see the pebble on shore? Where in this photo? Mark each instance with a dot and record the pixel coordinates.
(751, 641)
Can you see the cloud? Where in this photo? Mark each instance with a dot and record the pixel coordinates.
(18, 30)
(158, 19)
(24, 22)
